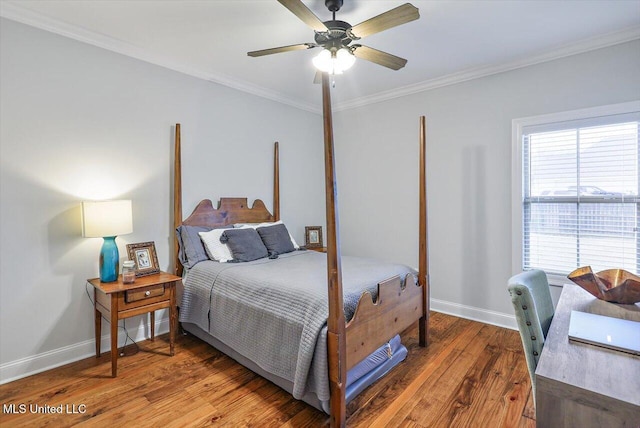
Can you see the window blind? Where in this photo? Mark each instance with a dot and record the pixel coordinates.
(580, 194)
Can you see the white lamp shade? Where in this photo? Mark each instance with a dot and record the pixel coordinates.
(345, 59)
(106, 218)
(323, 61)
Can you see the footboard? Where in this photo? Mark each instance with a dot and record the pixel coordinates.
(373, 324)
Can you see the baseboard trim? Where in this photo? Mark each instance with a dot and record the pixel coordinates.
(476, 314)
(44, 361)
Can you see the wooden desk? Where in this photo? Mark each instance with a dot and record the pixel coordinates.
(581, 385)
(119, 301)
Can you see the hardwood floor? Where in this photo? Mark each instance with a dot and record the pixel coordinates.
(471, 375)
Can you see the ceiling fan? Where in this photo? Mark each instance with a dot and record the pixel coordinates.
(335, 37)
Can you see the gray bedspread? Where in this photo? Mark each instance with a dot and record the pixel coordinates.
(274, 312)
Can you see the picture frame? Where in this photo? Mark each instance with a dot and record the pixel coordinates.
(145, 258)
(313, 236)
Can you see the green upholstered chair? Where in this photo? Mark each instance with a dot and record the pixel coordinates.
(534, 311)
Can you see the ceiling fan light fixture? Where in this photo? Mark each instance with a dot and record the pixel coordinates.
(334, 62)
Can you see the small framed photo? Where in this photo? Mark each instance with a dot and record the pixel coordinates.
(313, 236)
(145, 257)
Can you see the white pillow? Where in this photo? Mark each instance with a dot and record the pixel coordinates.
(257, 225)
(216, 250)
(267, 224)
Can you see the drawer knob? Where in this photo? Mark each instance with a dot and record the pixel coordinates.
(147, 293)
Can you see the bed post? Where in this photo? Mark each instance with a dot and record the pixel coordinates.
(423, 256)
(276, 182)
(336, 336)
(177, 200)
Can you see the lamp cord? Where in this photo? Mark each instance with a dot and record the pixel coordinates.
(123, 326)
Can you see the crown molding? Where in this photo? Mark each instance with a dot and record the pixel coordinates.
(586, 45)
(11, 10)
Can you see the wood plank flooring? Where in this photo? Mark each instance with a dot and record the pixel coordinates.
(471, 375)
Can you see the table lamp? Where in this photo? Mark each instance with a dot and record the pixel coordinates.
(107, 219)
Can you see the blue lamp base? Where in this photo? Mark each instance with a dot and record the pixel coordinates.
(109, 260)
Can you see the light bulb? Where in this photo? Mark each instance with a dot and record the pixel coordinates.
(334, 62)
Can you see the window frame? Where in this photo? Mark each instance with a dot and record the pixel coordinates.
(517, 185)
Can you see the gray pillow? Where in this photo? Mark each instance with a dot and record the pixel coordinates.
(276, 239)
(245, 244)
(191, 251)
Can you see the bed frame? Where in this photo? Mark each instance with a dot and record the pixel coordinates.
(373, 323)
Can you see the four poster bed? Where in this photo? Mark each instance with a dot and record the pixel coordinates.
(271, 313)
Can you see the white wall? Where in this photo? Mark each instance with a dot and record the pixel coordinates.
(79, 122)
(468, 170)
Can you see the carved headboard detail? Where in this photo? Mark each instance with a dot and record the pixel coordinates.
(229, 211)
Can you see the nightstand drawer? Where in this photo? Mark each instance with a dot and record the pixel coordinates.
(144, 293)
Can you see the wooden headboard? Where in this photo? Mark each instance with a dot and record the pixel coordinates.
(229, 210)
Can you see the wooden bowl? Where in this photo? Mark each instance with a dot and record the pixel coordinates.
(611, 285)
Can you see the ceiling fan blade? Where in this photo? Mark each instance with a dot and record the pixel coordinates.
(382, 58)
(392, 18)
(318, 78)
(281, 49)
(301, 11)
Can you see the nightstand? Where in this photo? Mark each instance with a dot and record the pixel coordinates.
(318, 249)
(117, 301)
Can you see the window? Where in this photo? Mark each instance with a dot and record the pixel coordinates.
(577, 192)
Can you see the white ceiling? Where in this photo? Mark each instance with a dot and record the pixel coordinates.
(452, 41)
